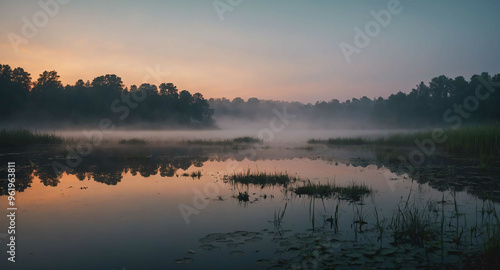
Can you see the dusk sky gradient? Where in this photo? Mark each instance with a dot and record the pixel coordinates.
(282, 50)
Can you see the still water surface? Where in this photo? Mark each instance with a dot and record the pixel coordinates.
(121, 208)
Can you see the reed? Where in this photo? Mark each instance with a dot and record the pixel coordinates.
(481, 141)
(243, 196)
(352, 192)
(262, 178)
(24, 137)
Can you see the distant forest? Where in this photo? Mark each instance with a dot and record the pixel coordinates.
(424, 106)
(46, 101)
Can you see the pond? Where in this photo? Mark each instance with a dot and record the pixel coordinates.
(159, 206)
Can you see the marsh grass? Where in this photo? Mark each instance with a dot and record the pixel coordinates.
(278, 219)
(23, 137)
(262, 178)
(226, 142)
(479, 141)
(351, 192)
(135, 141)
(414, 225)
(360, 218)
(490, 221)
(380, 226)
(243, 196)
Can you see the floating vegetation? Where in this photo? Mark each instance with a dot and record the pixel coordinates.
(183, 261)
(262, 178)
(226, 142)
(233, 239)
(132, 141)
(22, 137)
(351, 192)
(423, 235)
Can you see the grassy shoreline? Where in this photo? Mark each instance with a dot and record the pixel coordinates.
(478, 141)
(24, 137)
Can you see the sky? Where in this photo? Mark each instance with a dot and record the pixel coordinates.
(270, 49)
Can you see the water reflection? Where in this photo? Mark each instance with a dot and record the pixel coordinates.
(134, 196)
(108, 165)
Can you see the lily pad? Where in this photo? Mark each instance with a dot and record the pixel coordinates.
(184, 260)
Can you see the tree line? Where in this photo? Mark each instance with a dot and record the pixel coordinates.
(443, 101)
(46, 100)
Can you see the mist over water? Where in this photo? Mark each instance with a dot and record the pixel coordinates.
(287, 136)
(249, 135)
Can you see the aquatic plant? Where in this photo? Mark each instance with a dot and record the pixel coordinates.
(278, 218)
(351, 192)
(380, 226)
(481, 141)
(243, 197)
(22, 137)
(414, 224)
(262, 178)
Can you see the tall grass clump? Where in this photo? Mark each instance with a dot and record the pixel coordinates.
(352, 192)
(414, 224)
(262, 178)
(23, 137)
(243, 196)
(481, 141)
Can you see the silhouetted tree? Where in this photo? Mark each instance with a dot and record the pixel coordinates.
(86, 102)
